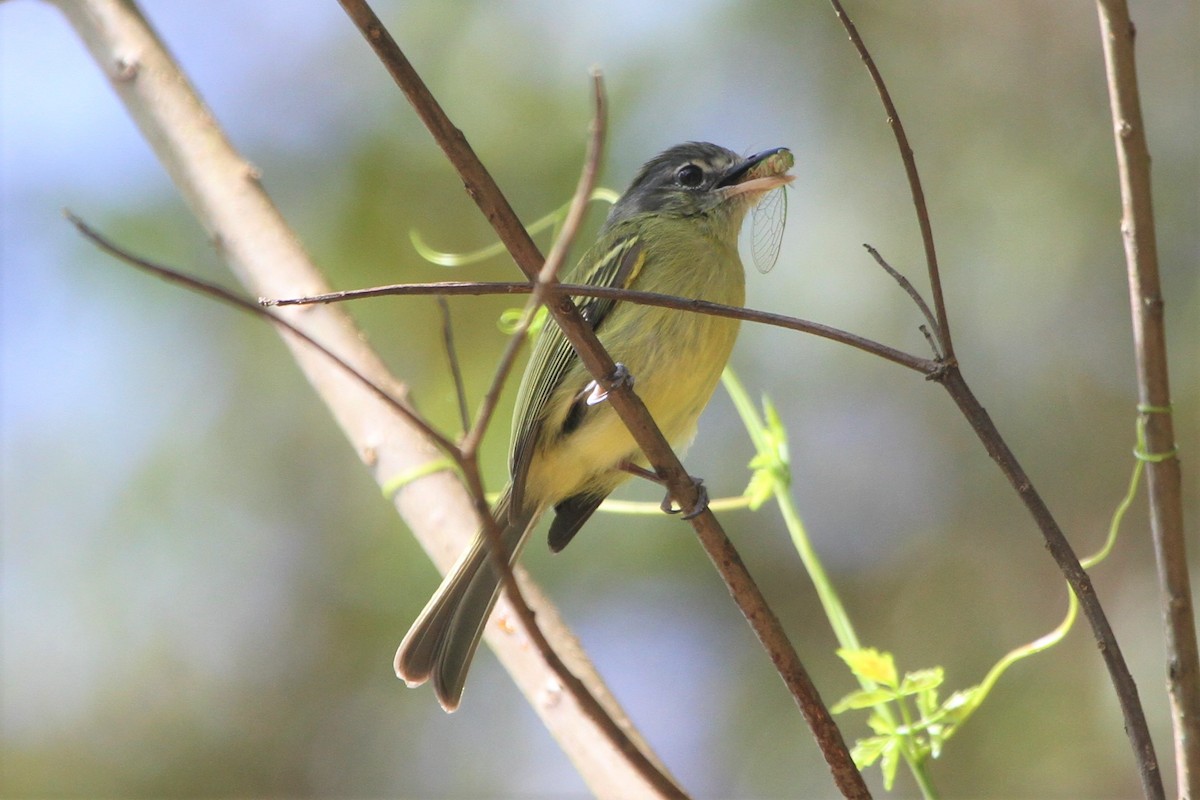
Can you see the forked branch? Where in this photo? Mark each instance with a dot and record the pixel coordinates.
(1056, 542)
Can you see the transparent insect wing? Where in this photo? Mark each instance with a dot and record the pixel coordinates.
(770, 215)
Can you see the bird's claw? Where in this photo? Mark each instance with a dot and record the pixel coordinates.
(696, 510)
(621, 376)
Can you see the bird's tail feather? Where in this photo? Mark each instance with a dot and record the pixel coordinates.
(442, 642)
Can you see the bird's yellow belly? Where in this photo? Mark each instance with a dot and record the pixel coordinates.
(676, 359)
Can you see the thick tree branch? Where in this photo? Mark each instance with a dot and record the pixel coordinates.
(1163, 472)
(222, 190)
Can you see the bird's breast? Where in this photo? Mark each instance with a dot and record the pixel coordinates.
(675, 357)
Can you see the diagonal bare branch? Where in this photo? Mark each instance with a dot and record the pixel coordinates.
(635, 752)
(624, 401)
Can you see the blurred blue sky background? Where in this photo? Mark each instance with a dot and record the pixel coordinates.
(201, 586)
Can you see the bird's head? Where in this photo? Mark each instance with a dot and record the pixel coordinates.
(703, 180)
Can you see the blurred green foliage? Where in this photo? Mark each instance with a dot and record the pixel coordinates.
(203, 588)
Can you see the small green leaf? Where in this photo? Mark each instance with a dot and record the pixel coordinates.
(921, 680)
(761, 487)
(962, 699)
(870, 664)
(863, 698)
(867, 751)
(880, 724)
(927, 702)
(891, 760)
(773, 421)
(776, 441)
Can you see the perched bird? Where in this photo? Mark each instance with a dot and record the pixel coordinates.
(674, 231)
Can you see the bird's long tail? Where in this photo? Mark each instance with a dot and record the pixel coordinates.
(442, 641)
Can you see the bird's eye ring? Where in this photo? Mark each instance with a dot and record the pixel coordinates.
(689, 176)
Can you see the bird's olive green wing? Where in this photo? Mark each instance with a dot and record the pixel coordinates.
(615, 260)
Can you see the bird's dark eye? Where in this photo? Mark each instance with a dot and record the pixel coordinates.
(689, 176)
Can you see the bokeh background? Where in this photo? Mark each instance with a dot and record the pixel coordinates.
(202, 588)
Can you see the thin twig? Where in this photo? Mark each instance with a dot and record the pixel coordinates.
(914, 181)
(1163, 471)
(929, 340)
(227, 297)
(460, 391)
(449, 288)
(625, 402)
(912, 292)
(548, 276)
(925, 366)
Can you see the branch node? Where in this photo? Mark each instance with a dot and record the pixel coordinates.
(125, 69)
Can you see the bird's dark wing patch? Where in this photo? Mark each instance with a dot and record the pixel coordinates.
(569, 516)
